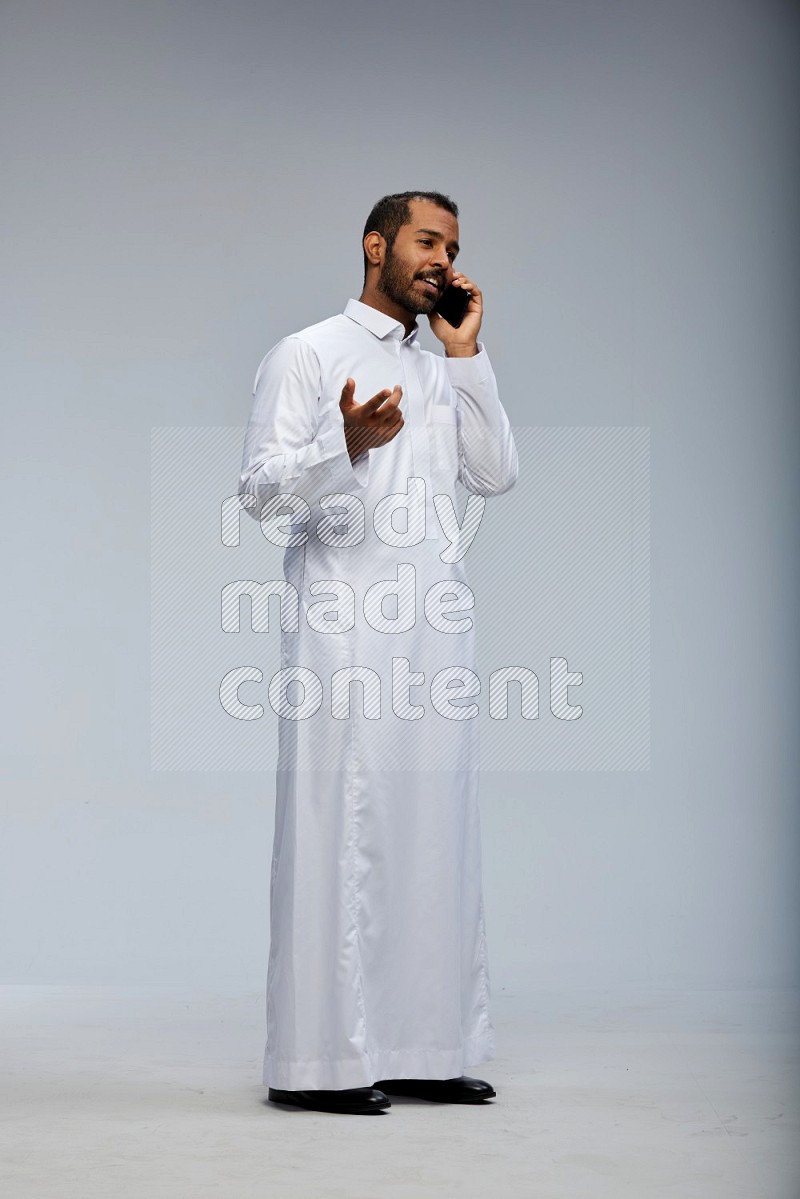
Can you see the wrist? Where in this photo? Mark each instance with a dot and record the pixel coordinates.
(465, 350)
(354, 440)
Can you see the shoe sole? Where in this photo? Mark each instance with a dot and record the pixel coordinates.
(436, 1099)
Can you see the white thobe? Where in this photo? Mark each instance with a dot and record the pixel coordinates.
(377, 961)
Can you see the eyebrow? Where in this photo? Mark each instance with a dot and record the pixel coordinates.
(453, 244)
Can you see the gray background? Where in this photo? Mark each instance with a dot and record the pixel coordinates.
(186, 183)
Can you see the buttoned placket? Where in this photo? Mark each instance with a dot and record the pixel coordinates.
(420, 443)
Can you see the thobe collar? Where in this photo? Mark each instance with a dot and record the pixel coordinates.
(379, 323)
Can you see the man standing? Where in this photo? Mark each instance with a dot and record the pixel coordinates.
(378, 977)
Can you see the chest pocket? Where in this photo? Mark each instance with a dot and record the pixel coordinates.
(444, 435)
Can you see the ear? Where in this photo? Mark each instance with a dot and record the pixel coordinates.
(374, 248)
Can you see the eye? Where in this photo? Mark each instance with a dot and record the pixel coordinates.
(426, 241)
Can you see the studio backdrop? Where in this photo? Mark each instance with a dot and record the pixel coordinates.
(185, 184)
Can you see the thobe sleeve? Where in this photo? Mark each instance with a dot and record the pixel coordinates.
(487, 454)
(286, 446)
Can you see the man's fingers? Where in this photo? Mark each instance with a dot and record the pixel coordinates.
(461, 280)
(383, 401)
(374, 422)
(370, 406)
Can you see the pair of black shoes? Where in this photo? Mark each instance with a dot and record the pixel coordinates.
(361, 1100)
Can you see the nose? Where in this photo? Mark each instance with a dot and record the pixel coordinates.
(440, 260)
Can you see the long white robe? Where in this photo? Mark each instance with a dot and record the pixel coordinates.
(378, 962)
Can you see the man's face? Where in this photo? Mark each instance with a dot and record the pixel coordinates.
(424, 248)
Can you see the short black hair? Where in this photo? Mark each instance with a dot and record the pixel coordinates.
(391, 212)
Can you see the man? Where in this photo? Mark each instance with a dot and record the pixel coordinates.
(377, 977)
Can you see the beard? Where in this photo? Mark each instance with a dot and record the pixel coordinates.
(398, 283)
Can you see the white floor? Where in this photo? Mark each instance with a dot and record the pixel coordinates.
(117, 1093)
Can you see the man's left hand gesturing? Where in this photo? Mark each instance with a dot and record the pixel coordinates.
(461, 342)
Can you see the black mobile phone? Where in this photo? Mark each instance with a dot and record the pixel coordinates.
(452, 304)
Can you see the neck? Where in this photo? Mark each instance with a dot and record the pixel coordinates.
(376, 299)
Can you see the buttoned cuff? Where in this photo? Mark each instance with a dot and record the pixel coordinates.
(475, 369)
(345, 476)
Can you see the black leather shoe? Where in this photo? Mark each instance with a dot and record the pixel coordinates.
(440, 1090)
(355, 1100)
